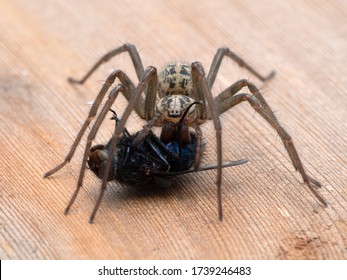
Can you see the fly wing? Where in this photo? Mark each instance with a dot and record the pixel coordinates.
(204, 167)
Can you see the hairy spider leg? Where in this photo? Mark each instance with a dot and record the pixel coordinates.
(200, 82)
(149, 79)
(234, 89)
(224, 102)
(217, 60)
(144, 107)
(124, 79)
(111, 98)
(232, 101)
(134, 55)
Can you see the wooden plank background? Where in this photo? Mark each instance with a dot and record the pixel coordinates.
(269, 213)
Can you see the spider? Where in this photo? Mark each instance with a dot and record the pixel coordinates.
(178, 85)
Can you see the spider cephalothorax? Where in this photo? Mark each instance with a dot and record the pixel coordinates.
(167, 96)
(170, 110)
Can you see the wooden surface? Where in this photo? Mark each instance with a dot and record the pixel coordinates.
(268, 212)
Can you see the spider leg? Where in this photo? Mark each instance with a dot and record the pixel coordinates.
(235, 88)
(134, 55)
(217, 60)
(286, 138)
(149, 79)
(92, 112)
(198, 134)
(146, 129)
(112, 97)
(200, 84)
(224, 102)
(144, 107)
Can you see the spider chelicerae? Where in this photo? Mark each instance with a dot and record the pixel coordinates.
(166, 97)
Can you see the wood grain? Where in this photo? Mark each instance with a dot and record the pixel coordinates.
(269, 213)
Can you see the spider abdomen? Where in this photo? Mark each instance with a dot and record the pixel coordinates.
(175, 79)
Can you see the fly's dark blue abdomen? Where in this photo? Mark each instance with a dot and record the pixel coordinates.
(147, 161)
(185, 155)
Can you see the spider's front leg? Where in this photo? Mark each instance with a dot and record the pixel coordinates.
(92, 113)
(203, 94)
(227, 99)
(143, 107)
(112, 97)
(149, 79)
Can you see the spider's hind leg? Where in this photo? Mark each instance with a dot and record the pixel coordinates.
(268, 115)
(222, 100)
(229, 98)
(217, 60)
